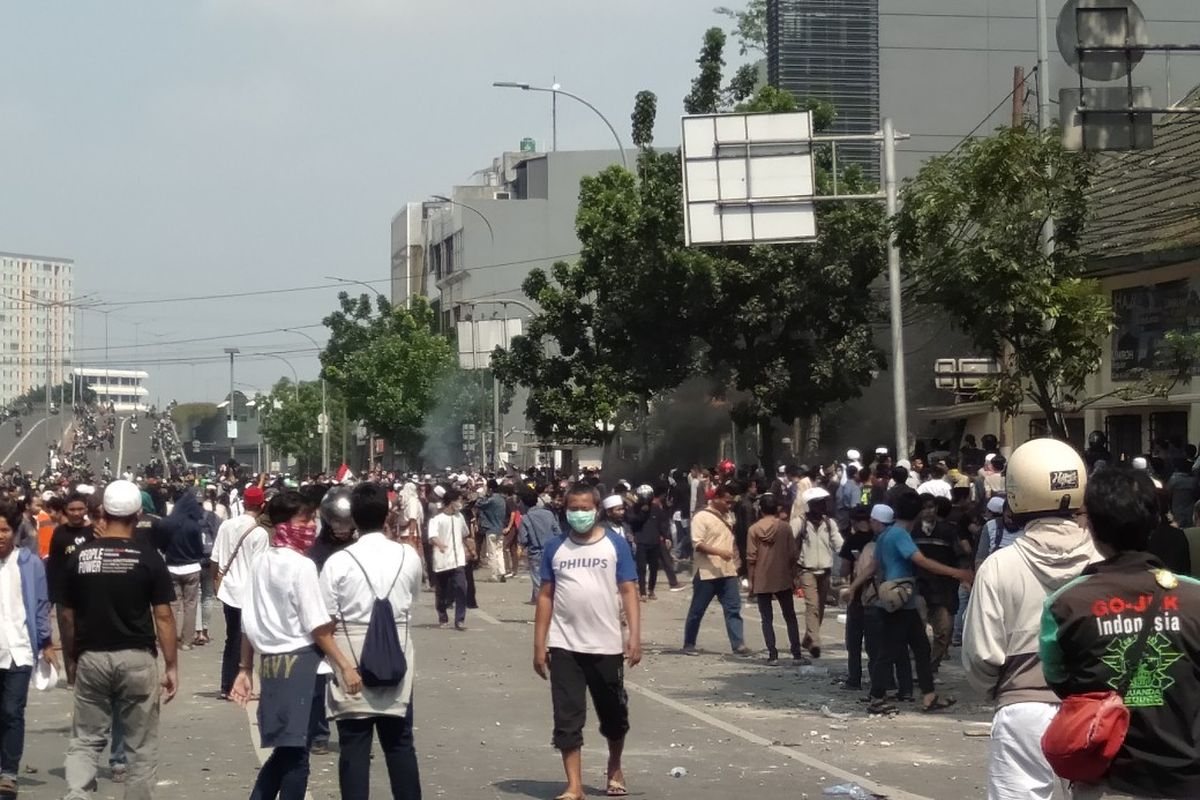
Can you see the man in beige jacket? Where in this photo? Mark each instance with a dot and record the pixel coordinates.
(819, 543)
(716, 566)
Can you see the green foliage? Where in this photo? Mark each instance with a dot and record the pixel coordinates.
(37, 395)
(787, 325)
(751, 25)
(970, 233)
(645, 108)
(386, 364)
(288, 421)
(705, 96)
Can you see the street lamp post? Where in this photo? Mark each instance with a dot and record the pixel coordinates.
(230, 420)
(503, 302)
(557, 90)
(324, 426)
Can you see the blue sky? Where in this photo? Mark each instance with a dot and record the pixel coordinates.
(194, 147)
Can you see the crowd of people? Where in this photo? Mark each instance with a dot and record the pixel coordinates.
(1060, 575)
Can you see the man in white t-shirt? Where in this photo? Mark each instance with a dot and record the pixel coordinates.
(587, 577)
(239, 541)
(284, 620)
(449, 539)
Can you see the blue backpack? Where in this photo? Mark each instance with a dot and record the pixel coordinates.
(382, 661)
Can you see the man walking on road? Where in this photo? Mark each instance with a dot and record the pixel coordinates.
(539, 527)
(355, 578)
(116, 607)
(716, 567)
(239, 540)
(493, 521)
(71, 534)
(449, 536)
(588, 576)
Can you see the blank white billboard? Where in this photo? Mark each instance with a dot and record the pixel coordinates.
(478, 339)
(748, 178)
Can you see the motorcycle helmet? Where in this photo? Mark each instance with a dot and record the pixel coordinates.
(1045, 476)
(335, 510)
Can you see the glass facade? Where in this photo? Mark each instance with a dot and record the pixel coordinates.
(829, 50)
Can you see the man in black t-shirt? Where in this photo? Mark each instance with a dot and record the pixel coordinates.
(63, 542)
(116, 597)
(858, 537)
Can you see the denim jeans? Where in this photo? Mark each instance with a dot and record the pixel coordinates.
(395, 739)
(964, 595)
(535, 572)
(855, 634)
(683, 541)
(283, 775)
(728, 591)
(14, 691)
(121, 684)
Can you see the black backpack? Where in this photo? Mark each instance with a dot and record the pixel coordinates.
(382, 661)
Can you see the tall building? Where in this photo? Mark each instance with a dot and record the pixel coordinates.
(829, 50)
(36, 321)
(469, 252)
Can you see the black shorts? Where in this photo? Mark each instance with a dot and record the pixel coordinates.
(573, 676)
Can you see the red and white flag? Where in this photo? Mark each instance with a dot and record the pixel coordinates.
(344, 475)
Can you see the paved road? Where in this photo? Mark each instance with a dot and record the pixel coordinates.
(738, 727)
(29, 449)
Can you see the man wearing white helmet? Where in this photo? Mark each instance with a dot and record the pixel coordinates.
(820, 542)
(1045, 482)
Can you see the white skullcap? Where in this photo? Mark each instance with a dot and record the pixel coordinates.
(996, 505)
(85, 489)
(1141, 463)
(439, 492)
(853, 455)
(122, 499)
(612, 501)
(782, 469)
(881, 451)
(46, 495)
(988, 458)
(815, 493)
(904, 462)
(884, 514)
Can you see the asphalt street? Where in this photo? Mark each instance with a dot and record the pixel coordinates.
(737, 726)
(29, 449)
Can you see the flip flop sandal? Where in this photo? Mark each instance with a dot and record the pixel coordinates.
(939, 704)
(569, 796)
(881, 707)
(616, 789)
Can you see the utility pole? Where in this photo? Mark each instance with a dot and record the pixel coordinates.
(1018, 97)
(893, 258)
(230, 419)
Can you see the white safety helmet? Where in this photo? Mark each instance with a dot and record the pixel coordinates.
(645, 491)
(1045, 476)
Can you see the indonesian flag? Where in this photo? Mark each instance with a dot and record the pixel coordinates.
(344, 475)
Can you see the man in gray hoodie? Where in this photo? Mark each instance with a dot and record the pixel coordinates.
(1044, 484)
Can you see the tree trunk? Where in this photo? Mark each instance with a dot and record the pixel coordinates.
(767, 447)
(1056, 423)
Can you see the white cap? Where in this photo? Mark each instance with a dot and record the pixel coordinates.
(782, 469)
(85, 489)
(881, 451)
(46, 495)
(1141, 463)
(882, 513)
(612, 501)
(122, 499)
(904, 462)
(815, 493)
(853, 455)
(988, 458)
(996, 505)
(439, 492)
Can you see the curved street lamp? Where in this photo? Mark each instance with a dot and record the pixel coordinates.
(557, 90)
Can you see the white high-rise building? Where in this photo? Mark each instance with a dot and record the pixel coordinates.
(36, 321)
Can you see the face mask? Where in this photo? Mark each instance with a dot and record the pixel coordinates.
(581, 521)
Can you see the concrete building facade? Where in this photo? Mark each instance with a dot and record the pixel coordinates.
(36, 321)
(123, 388)
(469, 252)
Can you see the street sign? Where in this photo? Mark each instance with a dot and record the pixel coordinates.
(478, 339)
(195, 445)
(231, 429)
(748, 178)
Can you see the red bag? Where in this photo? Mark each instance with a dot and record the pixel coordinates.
(1089, 729)
(1085, 736)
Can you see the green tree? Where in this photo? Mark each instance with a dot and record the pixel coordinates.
(751, 26)
(970, 233)
(288, 421)
(638, 313)
(386, 362)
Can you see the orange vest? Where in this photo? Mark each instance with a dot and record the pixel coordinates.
(46, 528)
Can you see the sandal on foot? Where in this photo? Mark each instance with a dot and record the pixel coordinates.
(569, 796)
(938, 703)
(880, 707)
(616, 789)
